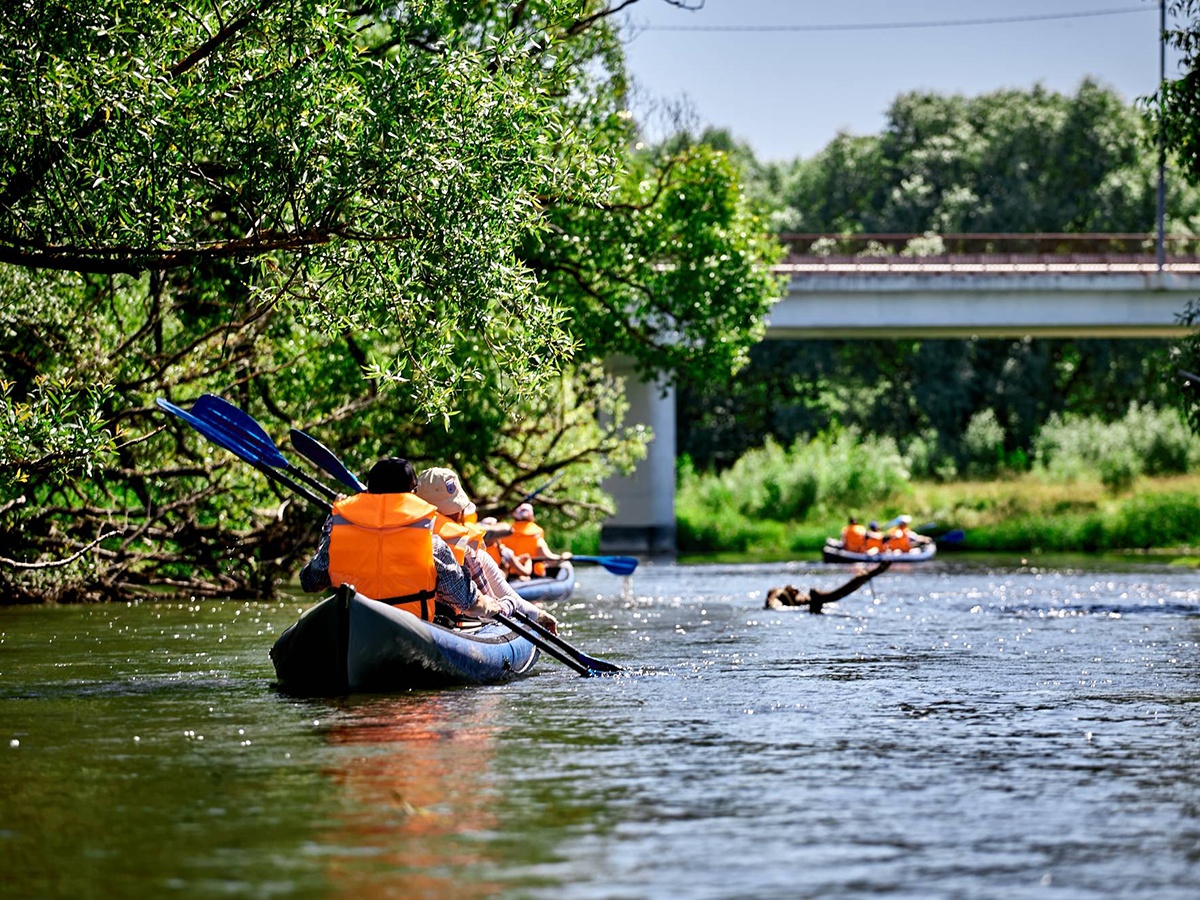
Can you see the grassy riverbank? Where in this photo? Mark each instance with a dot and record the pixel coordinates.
(1020, 514)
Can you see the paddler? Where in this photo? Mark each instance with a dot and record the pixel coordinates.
(381, 541)
(529, 538)
(519, 567)
(902, 538)
(442, 488)
(854, 537)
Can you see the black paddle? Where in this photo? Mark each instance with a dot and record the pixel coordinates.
(596, 665)
(322, 457)
(541, 644)
(533, 494)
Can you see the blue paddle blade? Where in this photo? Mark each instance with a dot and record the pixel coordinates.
(224, 415)
(618, 565)
(952, 537)
(322, 457)
(241, 449)
(213, 433)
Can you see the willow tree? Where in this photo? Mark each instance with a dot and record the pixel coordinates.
(413, 227)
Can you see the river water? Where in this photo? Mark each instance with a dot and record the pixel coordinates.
(960, 731)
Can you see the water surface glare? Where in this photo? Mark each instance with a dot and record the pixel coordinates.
(955, 731)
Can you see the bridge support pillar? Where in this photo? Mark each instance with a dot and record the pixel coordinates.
(644, 523)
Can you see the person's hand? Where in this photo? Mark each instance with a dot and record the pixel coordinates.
(547, 621)
(566, 554)
(487, 606)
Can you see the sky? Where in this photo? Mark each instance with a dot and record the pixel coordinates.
(788, 92)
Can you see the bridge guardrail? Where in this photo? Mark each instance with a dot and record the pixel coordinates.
(906, 245)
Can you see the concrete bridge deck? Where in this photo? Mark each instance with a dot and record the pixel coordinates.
(984, 297)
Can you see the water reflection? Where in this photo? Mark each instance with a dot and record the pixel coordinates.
(414, 796)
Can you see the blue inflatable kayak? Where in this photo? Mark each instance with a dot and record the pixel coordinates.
(349, 643)
(557, 584)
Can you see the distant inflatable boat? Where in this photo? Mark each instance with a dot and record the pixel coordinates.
(834, 552)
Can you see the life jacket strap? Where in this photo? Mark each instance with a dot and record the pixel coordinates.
(425, 598)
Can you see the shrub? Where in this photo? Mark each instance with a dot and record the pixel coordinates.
(835, 471)
(983, 444)
(1145, 441)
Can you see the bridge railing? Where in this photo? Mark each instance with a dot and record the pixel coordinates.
(989, 247)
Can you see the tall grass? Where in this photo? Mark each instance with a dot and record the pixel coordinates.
(836, 470)
(762, 498)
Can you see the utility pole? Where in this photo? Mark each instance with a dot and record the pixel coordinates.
(1162, 138)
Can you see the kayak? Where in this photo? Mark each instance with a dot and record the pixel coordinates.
(349, 643)
(558, 584)
(834, 552)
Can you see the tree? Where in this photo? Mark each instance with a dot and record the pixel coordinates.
(1175, 108)
(272, 200)
(1006, 161)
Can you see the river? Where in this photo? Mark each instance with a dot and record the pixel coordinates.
(964, 730)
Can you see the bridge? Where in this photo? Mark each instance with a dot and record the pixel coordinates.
(1075, 290)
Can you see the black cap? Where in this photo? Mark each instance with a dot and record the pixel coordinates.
(392, 475)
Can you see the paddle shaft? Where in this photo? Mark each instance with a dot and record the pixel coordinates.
(541, 644)
(533, 494)
(591, 662)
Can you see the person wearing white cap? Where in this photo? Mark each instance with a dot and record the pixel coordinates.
(442, 488)
(902, 538)
(529, 538)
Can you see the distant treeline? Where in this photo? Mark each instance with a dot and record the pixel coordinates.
(1007, 161)
(1014, 161)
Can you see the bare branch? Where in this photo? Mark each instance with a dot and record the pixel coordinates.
(58, 562)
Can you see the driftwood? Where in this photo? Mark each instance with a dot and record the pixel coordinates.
(789, 596)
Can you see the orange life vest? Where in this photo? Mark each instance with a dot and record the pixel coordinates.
(875, 542)
(854, 538)
(456, 536)
(899, 540)
(476, 535)
(524, 539)
(383, 545)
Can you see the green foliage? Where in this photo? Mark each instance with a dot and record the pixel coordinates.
(1175, 108)
(834, 472)
(1008, 161)
(55, 433)
(678, 254)
(983, 444)
(274, 201)
(1147, 521)
(923, 393)
(1146, 441)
